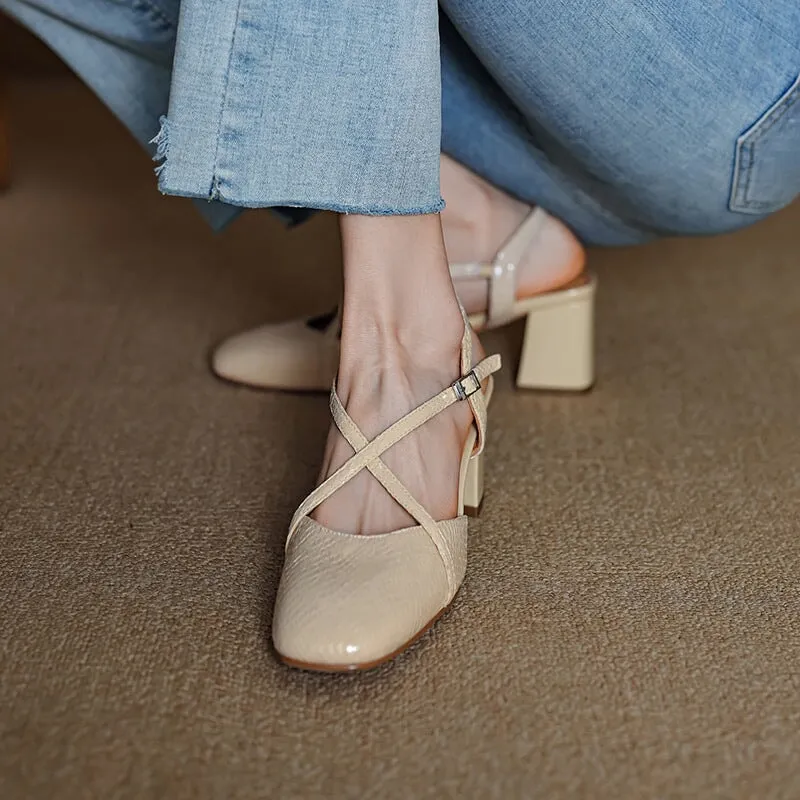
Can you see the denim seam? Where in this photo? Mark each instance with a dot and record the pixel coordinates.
(777, 115)
(213, 190)
(744, 162)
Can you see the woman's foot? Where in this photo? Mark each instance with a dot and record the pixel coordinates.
(401, 343)
(347, 599)
(479, 219)
(301, 354)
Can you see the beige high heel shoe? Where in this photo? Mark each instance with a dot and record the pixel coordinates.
(557, 352)
(352, 602)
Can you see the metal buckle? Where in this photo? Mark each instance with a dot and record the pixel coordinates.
(462, 392)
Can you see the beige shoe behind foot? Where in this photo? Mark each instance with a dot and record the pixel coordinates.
(296, 355)
(351, 602)
(557, 352)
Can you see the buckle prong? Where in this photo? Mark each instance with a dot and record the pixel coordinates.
(462, 391)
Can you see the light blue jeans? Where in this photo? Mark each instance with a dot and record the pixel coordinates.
(628, 119)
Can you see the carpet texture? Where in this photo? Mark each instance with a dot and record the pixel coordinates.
(629, 625)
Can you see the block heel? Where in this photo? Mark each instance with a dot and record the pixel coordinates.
(558, 348)
(473, 486)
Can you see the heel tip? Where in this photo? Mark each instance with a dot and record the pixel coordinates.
(473, 511)
(558, 391)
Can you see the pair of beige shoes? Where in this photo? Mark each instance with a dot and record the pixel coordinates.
(349, 601)
(557, 351)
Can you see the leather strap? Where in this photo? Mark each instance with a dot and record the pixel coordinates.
(502, 272)
(367, 454)
(393, 485)
(473, 269)
(503, 283)
(393, 434)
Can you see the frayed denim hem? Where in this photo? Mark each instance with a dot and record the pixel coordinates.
(161, 143)
(291, 210)
(285, 208)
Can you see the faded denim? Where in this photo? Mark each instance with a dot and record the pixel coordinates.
(628, 119)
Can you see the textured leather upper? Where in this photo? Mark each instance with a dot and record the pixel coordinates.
(350, 599)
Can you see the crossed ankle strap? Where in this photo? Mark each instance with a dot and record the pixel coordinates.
(367, 454)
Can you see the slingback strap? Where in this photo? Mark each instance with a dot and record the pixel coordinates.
(471, 269)
(501, 273)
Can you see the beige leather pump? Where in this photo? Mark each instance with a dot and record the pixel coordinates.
(352, 602)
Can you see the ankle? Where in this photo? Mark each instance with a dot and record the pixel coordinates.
(479, 217)
(401, 341)
(400, 309)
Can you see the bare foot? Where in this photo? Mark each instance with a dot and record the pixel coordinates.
(381, 390)
(401, 345)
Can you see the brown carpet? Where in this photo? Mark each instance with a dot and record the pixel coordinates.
(629, 625)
